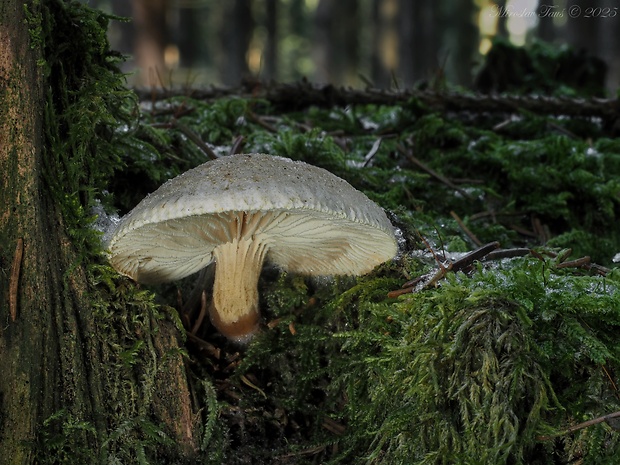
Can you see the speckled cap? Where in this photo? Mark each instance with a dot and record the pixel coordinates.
(312, 221)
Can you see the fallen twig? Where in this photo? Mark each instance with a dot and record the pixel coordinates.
(333, 426)
(195, 138)
(14, 278)
(237, 145)
(585, 424)
(458, 265)
(303, 93)
(201, 315)
(249, 383)
(465, 229)
(261, 122)
(578, 263)
(507, 253)
(209, 348)
(432, 172)
(398, 292)
(373, 151)
(474, 255)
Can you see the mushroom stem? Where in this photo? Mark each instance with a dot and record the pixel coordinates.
(234, 309)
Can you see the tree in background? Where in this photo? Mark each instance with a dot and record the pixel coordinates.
(235, 35)
(336, 22)
(349, 42)
(383, 40)
(418, 40)
(151, 38)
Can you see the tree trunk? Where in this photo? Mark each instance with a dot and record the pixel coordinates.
(335, 46)
(384, 54)
(270, 69)
(502, 18)
(418, 41)
(582, 32)
(150, 18)
(609, 38)
(546, 29)
(190, 38)
(322, 40)
(459, 34)
(235, 36)
(89, 368)
(24, 389)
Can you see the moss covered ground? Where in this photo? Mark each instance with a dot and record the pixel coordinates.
(497, 361)
(492, 362)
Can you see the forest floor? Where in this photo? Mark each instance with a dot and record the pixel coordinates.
(492, 334)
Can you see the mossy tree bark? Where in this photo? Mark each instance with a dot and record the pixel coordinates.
(25, 384)
(87, 371)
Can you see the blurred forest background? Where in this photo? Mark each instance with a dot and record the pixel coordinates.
(383, 43)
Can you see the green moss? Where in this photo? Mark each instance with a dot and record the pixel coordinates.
(475, 370)
(62, 439)
(484, 365)
(86, 106)
(34, 21)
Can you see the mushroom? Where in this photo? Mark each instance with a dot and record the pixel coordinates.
(239, 211)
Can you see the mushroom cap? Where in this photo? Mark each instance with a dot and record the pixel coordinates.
(312, 221)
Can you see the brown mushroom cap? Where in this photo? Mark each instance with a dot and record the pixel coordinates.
(297, 216)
